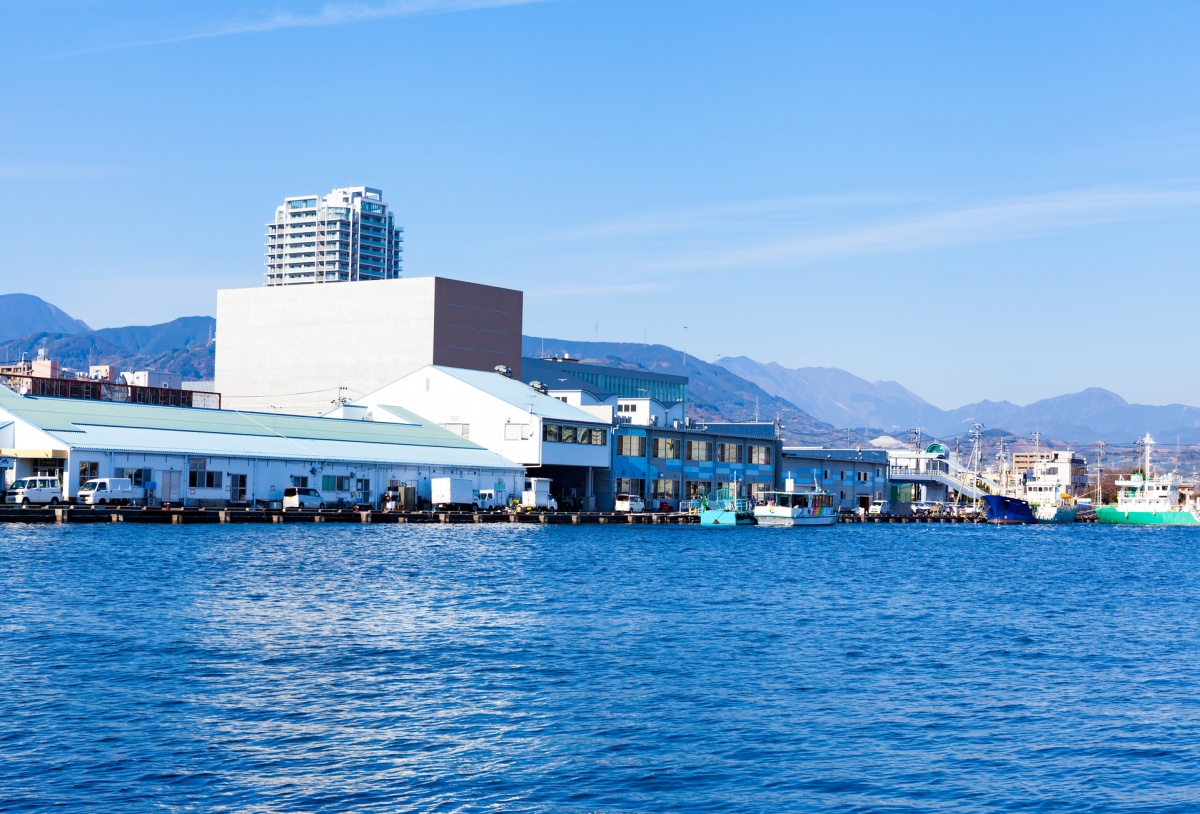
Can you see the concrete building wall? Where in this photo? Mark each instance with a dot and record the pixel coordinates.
(852, 477)
(294, 348)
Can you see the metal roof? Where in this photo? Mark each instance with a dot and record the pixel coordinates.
(521, 395)
(106, 425)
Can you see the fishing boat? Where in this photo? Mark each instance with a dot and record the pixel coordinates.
(1043, 496)
(727, 510)
(1146, 500)
(813, 507)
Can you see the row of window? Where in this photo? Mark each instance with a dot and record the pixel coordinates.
(338, 483)
(668, 488)
(861, 477)
(568, 434)
(634, 446)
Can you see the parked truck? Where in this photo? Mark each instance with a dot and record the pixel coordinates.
(453, 493)
(537, 495)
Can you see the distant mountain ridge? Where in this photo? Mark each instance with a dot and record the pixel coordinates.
(836, 396)
(25, 314)
(844, 400)
(180, 346)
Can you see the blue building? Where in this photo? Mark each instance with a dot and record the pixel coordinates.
(854, 477)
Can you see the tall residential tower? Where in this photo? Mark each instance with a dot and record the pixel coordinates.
(344, 236)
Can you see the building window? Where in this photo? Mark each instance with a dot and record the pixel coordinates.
(459, 429)
(666, 448)
(760, 455)
(734, 487)
(699, 451)
(698, 488)
(665, 489)
(88, 470)
(335, 483)
(199, 476)
(826, 475)
(300, 480)
(631, 446)
(516, 432)
(631, 486)
(567, 434)
(729, 453)
(137, 477)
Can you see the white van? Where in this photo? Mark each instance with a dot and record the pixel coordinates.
(880, 508)
(302, 497)
(35, 490)
(107, 491)
(629, 503)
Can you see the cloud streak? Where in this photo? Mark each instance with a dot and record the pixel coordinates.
(773, 233)
(332, 14)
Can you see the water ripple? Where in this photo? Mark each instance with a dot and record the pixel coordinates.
(566, 669)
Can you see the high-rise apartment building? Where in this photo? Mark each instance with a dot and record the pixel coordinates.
(344, 236)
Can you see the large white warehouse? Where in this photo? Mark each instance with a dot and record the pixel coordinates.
(215, 457)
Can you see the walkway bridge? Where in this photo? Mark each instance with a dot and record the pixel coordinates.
(947, 473)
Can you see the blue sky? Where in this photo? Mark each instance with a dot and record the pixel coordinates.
(978, 200)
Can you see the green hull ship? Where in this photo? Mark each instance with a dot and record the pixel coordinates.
(1111, 514)
(1145, 500)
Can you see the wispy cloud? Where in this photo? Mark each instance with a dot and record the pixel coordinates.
(728, 212)
(332, 14)
(965, 226)
(782, 232)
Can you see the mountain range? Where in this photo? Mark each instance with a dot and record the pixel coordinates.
(182, 346)
(845, 400)
(25, 314)
(812, 402)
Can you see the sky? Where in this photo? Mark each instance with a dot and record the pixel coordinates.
(987, 200)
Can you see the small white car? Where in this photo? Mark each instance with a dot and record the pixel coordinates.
(880, 508)
(630, 503)
(302, 497)
(107, 491)
(35, 490)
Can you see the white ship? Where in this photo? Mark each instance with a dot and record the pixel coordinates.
(811, 507)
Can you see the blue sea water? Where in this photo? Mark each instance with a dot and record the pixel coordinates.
(599, 669)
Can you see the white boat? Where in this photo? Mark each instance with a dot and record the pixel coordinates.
(813, 507)
(1047, 491)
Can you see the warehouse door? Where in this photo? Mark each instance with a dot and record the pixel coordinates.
(168, 490)
(237, 488)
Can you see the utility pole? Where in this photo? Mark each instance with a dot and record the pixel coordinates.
(1100, 446)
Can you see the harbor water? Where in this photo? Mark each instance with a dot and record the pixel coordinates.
(526, 668)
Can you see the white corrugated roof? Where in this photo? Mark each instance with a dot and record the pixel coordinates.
(520, 395)
(102, 425)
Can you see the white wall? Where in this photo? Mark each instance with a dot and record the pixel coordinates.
(444, 399)
(293, 348)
